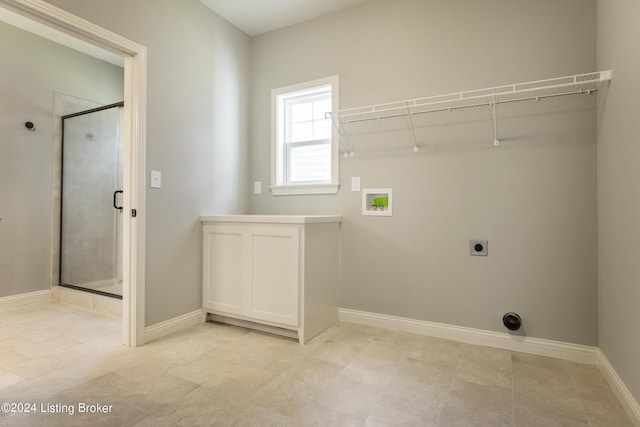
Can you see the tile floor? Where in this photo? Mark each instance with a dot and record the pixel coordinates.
(61, 358)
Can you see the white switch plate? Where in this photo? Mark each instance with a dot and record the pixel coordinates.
(355, 183)
(257, 187)
(156, 179)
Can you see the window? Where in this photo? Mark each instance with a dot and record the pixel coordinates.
(304, 152)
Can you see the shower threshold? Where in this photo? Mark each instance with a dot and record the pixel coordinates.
(91, 291)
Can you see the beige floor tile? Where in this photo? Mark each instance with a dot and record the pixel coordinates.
(337, 352)
(482, 401)
(350, 375)
(314, 372)
(603, 410)
(404, 339)
(350, 397)
(50, 346)
(314, 415)
(558, 406)
(10, 358)
(259, 372)
(32, 368)
(142, 370)
(285, 395)
(376, 364)
(276, 349)
(385, 415)
(426, 372)
(485, 366)
(586, 377)
(544, 392)
(538, 370)
(424, 401)
(110, 387)
(601, 405)
(356, 336)
(88, 367)
(123, 415)
(222, 394)
(39, 387)
(184, 415)
(537, 416)
(8, 379)
(159, 394)
(438, 350)
(204, 370)
(252, 415)
(374, 372)
(457, 417)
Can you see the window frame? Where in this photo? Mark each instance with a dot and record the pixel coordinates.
(279, 151)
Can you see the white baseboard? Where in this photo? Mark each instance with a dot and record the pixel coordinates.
(22, 299)
(629, 403)
(170, 326)
(537, 346)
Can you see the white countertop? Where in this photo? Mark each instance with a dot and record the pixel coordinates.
(273, 219)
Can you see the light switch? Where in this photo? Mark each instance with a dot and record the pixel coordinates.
(156, 179)
(257, 187)
(355, 183)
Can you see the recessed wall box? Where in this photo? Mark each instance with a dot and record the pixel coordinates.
(377, 201)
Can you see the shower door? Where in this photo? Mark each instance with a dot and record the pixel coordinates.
(91, 212)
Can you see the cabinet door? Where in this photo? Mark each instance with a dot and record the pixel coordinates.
(223, 269)
(275, 268)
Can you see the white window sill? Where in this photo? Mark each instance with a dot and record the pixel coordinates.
(304, 189)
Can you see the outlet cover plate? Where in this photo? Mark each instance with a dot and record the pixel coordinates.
(156, 179)
(355, 183)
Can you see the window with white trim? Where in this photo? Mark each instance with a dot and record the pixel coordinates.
(304, 158)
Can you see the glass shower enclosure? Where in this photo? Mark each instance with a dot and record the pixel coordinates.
(91, 197)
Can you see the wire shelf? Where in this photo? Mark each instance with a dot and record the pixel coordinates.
(409, 116)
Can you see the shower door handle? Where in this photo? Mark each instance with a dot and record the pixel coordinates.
(115, 197)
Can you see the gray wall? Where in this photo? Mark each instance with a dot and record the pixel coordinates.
(32, 69)
(534, 198)
(197, 108)
(618, 197)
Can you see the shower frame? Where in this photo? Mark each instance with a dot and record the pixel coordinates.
(63, 118)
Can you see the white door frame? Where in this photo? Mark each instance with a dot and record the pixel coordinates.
(135, 84)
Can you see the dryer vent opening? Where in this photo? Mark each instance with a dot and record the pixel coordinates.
(512, 321)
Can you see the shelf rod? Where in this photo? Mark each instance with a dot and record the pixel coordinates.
(480, 104)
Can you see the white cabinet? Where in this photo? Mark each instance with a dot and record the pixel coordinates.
(281, 272)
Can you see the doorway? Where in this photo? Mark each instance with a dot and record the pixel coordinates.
(56, 24)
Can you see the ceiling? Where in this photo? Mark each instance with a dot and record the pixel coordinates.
(260, 16)
(251, 16)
